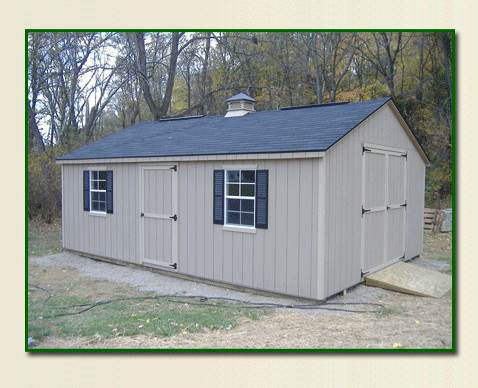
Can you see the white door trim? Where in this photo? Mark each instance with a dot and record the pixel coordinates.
(387, 152)
(174, 210)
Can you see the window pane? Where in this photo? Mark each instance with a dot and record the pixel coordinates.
(248, 176)
(95, 196)
(247, 190)
(102, 185)
(102, 197)
(233, 176)
(247, 205)
(233, 218)
(232, 189)
(102, 206)
(94, 174)
(94, 206)
(233, 204)
(102, 175)
(247, 219)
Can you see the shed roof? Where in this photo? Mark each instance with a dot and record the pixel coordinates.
(314, 128)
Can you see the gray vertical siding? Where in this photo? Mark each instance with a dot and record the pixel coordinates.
(343, 198)
(281, 258)
(114, 235)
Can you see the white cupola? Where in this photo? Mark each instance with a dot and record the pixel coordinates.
(239, 105)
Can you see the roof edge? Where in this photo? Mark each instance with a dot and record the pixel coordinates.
(201, 157)
(386, 101)
(409, 132)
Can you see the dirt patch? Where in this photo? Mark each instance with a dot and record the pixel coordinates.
(65, 280)
(437, 245)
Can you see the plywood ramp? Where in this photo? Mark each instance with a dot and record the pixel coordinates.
(411, 279)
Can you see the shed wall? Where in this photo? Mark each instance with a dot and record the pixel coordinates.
(113, 235)
(282, 258)
(342, 267)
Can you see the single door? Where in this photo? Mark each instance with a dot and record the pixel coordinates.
(383, 207)
(159, 215)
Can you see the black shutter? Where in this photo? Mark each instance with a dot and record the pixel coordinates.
(218, 197)
(109, 191)
(86, 190)
(262, 193)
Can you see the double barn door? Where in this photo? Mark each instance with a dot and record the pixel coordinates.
(384, 204)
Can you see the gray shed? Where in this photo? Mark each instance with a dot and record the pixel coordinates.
(300, 201)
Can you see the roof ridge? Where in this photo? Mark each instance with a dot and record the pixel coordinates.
(314, 105)
(181, 118)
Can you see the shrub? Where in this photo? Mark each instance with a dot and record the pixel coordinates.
(44, 186)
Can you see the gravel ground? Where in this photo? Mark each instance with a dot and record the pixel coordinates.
(144, 280)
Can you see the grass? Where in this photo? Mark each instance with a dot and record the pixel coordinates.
(44, 239)
(157, 317)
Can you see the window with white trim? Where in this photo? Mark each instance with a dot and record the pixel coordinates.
(98, 191)
(240, 197)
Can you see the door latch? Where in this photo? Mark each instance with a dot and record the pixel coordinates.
(175, 265)
(175, 217)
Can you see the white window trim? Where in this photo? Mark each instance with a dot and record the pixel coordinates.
(236, 227)
(97, 212)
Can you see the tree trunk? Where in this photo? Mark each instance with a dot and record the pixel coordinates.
(143, 76)
(204, 75)
(173, 60)
(34, 131)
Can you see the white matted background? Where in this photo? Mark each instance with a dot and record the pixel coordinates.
(20, 369)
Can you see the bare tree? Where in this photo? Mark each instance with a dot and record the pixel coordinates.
(381, 50)
(160, 107)
(331, 55)
(70, 83)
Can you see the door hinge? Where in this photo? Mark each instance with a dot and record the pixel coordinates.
(174, 218)
(175, 265)
(364, 211)
(142, 214)
(404, 205)
(175, 168)
(365, 150)
(362, 274)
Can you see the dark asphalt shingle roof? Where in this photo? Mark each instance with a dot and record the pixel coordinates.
(291, 130)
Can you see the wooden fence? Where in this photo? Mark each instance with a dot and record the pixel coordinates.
(432, 220)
